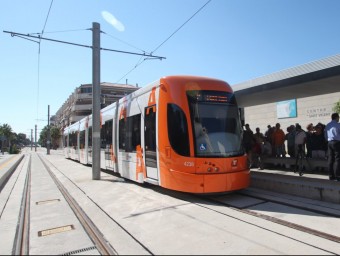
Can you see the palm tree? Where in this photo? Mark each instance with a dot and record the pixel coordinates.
(6, 131)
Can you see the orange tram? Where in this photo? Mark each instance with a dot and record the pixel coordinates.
(181, 132)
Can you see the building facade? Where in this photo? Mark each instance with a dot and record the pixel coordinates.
(303, 94)
(315, 109)
(79, 103)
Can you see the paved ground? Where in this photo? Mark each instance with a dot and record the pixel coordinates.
(142, 220)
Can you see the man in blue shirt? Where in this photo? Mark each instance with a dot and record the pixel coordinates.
(332, 133)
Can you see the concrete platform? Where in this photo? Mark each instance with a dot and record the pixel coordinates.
(312, 186)
(8, 163)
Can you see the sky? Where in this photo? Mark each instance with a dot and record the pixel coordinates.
(232, 40)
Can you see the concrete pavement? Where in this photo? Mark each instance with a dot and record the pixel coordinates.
(131, 217)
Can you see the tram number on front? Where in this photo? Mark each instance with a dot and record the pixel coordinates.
(189, 164)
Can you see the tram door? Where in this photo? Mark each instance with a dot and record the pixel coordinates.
(150, 146)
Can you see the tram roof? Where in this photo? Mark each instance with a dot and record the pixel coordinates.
(310, 79)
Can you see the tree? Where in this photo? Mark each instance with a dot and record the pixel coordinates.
(336, 107)
(22, 140)
(6, 131)
(43, 137)
(55, 136)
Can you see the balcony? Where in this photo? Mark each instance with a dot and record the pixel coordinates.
(85, 107)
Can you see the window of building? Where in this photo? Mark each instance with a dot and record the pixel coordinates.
(86, 90)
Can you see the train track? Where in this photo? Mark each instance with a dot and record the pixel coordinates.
(21, 238)
(95, 235)
(215, 203)
(280, 221)
(21, 246)
(206, 200)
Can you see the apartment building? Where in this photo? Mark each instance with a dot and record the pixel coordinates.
(79, 103)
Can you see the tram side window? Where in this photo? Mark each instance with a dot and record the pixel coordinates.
(73, 140)
(178, 130)
(65, 141)
(150, 137)
(150, 130)
(106, 134)
(90, 137)
(129, 133)
(122, 134)
(82, 139)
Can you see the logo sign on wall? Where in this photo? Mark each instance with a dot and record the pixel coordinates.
(319, 112)
(286, 109)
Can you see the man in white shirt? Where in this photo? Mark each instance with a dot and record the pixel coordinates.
(332, 133)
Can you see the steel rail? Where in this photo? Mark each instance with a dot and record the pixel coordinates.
(214, 199)
(21, 242)
(277, 220)
(103, 246)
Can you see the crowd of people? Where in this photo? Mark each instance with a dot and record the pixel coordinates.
(312, 142)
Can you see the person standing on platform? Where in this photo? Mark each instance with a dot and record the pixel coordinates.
(248, 143)
(309, 134)
(278, 141)
(300, 143)
(257, 148)
(290, 137)
(332, 133)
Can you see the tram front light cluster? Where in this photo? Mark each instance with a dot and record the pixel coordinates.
(212, 167)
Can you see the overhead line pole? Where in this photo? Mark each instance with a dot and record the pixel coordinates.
(96, 142)
(48, 146)
(31, 139)
(35, 140)
(24, 36)
(96, 101)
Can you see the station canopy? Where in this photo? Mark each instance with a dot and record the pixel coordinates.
(310, 79)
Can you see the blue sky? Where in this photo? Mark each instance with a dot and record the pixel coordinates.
(233, 40)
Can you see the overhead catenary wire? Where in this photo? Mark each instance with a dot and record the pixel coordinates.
(167, 39)
(48, 14)
(82, 45)
(192, 16)
(59, 31)
(140, 61)
(135, 47)
(39, 49)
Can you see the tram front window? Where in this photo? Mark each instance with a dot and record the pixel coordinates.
(216, 124)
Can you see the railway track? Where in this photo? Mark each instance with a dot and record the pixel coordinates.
(21, 246)
(206, 201)
(214, 202)
(292, 225)
(261, 199)
(235, 207)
